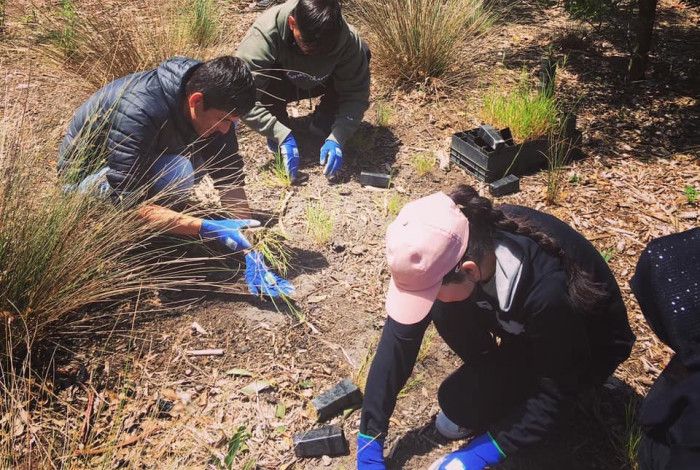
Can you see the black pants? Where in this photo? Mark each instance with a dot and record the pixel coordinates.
(494, 377)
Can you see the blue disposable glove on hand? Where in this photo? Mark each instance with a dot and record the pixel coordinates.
(481, 452)
(290, 155)
(332, 157)
(369, 453)
(262, 281)
(228, 232)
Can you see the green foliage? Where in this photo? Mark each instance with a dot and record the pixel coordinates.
(607, 254)
(394, 204)
(201, 20)
(66, 37)
(423, 163)
(278, 172)
(384, 114)
(558, 156)
(319, 223)
(691, 194)
(235, 444)
(420, 39)
(273, 246)
(575, 179)
(528, 112)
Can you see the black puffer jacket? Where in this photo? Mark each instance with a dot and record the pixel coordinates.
(141, 117)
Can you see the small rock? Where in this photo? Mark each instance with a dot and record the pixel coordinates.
(326, 461)
(620, 246)
(358, 249)
(188, 372)
(443, 160)
(344, 191)
(338, 247)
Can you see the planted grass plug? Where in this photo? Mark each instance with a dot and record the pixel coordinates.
(423, 163)
(319, 223)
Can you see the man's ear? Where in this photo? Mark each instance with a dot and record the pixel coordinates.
(195, 99)
(292, 22)
(472, 271)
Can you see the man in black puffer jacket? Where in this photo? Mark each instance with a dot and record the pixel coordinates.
(149, 135)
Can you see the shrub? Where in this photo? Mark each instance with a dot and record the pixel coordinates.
(528, 112)
(415, 40)
(201, 21)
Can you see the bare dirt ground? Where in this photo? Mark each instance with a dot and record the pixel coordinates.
(641, 142)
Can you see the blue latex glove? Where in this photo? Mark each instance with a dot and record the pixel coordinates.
(289, 151)
(481, 452)
(228, 232)
(262, 281)
(332, 157)
(369, 453)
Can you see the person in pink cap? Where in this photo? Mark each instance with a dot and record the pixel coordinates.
(525, 301)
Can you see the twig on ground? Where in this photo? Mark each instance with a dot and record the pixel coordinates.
(205, 352)
(85, 429)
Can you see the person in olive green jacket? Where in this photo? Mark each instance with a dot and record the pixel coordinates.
(302, 49)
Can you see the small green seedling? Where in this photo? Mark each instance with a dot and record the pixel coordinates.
(575, 179)
(394, 204)
(424, 163)
(235, 444)
(384, 114)
(607, 254)
(319, 223)
(691, 194)
(278, 172)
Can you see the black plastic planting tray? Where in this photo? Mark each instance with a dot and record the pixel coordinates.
(489, 158)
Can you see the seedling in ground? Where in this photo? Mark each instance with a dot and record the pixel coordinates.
(607, 254)
(691, 194)
(236, 444)
(278, 172)
(575, 179)
(394, 204)
(384, 114)
(319, 223)
(273, 246)
(423, 163)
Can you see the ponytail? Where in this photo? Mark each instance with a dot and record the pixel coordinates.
(584, 293)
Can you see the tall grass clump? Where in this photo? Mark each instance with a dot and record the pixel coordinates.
(416, 40)
(201, 21)
(101, 45)
(61, 252)
(561, 147)
(319, 223)
(528, 112)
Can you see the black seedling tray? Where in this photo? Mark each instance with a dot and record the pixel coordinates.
(326, 440)
(472, 153)
(343, 395)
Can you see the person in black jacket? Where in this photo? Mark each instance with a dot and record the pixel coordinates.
(667, 286)
(149, 135)
(533, 322)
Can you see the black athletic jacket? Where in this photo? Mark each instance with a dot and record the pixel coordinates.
(141, 117)
(568, 349)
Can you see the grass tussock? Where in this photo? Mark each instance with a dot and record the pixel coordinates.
(319, 223)
(417, 40)
(528, 112)
(423, 163)
(61, 252)
(101, 45)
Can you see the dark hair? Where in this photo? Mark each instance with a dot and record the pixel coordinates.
(584, 293)
(226, 83)
(320, 23)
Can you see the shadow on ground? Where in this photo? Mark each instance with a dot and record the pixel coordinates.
(592, 433)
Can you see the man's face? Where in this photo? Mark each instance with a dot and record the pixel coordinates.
(306, 49)
(208, 122)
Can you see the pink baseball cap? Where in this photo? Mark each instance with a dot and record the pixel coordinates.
(426, 241)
